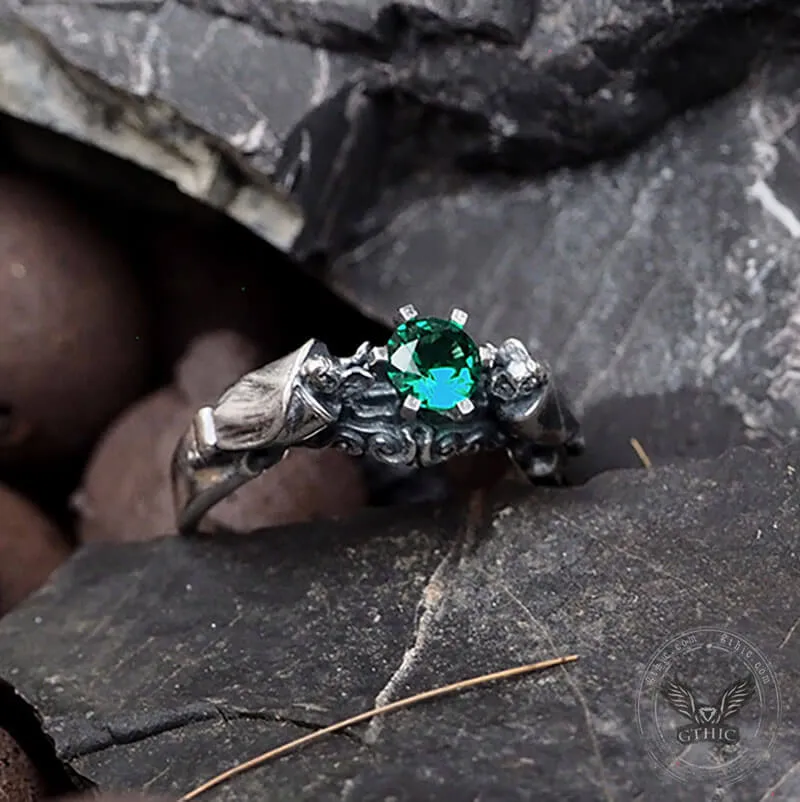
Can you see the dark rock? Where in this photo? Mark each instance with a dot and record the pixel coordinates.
(669, 426)
(289, 115)
(159, 664)
(329, 165)
(100, 797)
(31, 750)
(208, 103)
(590, 80)
(672, 272)
(348, 25)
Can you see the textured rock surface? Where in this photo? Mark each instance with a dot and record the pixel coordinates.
(180, 88)
(249, 642)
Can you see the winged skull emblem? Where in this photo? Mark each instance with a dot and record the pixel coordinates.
(681, 698)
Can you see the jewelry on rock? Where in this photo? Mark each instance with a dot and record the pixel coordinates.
(428, 395)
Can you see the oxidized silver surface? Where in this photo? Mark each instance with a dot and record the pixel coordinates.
(313, 399)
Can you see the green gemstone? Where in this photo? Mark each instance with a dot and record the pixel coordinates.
(433, 360)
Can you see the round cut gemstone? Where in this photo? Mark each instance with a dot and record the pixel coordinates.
(433, 360)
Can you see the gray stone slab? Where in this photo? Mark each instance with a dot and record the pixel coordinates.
(291, 115)
(360, 24)
(156, 665)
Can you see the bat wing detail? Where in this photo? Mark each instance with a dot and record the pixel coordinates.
(680, 697)
(735, 696)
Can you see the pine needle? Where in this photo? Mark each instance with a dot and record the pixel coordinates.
(641, 453)
(259, 760)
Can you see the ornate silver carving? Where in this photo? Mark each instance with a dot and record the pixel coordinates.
(313, 399)
(372, 423)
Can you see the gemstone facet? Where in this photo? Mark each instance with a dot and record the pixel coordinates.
(434, 361)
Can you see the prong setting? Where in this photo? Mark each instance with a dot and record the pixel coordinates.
(410, 408)
(459, 317)
(406, 313)
(465, 407)
(379, 355)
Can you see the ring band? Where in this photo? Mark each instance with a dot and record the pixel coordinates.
(428, 395)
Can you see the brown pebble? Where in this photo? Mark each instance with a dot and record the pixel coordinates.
(126, 492)
(73, 349)
(207, 280)
(212, 363)
(19, 779)
(31, 548)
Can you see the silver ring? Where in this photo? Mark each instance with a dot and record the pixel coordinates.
(428, 395)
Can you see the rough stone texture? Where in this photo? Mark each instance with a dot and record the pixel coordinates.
(379, 26)
(355, 89)
(250, 642)
(174, 90)
(671, 273)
